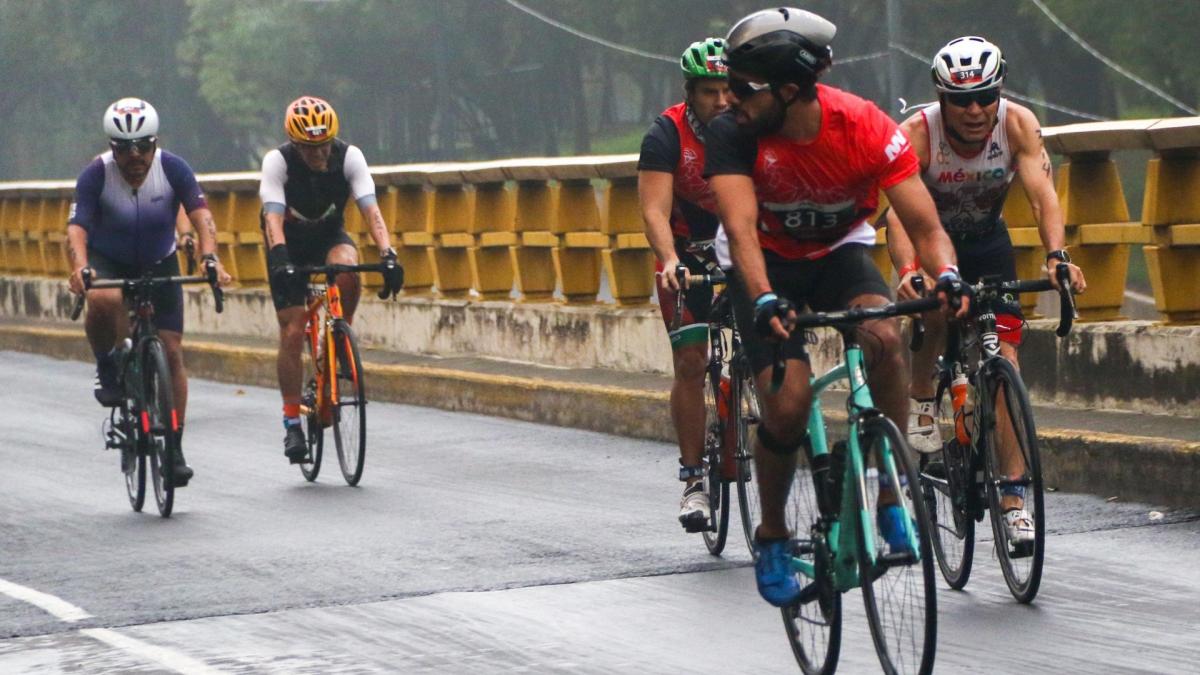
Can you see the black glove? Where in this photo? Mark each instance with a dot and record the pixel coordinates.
(279, 265)
(766, 307)
(952, 285)
(393, 274)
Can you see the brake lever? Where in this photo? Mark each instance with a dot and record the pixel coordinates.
(1066, 300)
(918, 326)
(86, 275)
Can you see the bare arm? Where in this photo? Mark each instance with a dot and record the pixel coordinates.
(656, 195)
(914, 208)
(372, 214)
(206, 231)
(77, 238)
(900, 244)
(1037, 177)
(739, 213)
(274, 229)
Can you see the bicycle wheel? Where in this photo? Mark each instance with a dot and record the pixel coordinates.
(899, 592)
(716, 488)
(1021, 563)
(946, 482)
(160, 442)
(814, 625)
(350, 409)
(133, 463)
(314, 432)
(744, 404)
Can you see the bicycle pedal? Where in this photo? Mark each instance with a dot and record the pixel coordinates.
(900, 559)
(1023, 550)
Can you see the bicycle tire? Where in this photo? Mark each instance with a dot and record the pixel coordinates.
(158, 409)
(314, 432)
(814, 627)
(350, 411)
(715, 487)
(133, 464)
(905, 630)
(744, 402)
(1021, 565)
(947, 498)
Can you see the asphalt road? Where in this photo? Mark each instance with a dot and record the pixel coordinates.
(478, 544)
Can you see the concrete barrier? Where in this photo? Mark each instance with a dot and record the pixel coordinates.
(1124, 365)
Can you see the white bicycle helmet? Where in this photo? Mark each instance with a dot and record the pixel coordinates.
(968, 63)
(130, 118)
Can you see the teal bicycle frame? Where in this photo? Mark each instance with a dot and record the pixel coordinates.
(843, 532)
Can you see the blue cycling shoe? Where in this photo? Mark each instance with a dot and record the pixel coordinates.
(777, 582)
(890, 520)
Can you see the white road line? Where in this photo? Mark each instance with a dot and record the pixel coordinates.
(1139, 297)
(56, 607)
(66, 612)
(168, 658)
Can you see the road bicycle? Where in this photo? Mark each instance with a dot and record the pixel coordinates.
(144, 426)
(983, 413)
(334, 394)
(831, 508)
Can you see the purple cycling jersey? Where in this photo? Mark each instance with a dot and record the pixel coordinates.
(134, 227)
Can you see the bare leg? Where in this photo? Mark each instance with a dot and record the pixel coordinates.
(173, 343)
(785, 415)
(348, 284)
(291, 349)
(687, 403)
(105, 322)
(1012, 462)
(887, 370)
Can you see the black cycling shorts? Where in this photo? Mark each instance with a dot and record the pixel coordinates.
(991, 256)
(308, 246)
(823, 285)
(168, 298)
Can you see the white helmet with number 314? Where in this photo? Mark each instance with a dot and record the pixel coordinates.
(968, 64)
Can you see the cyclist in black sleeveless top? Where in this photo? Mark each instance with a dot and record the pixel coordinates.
(305, 185)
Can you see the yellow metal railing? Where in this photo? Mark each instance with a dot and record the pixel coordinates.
(554, 227)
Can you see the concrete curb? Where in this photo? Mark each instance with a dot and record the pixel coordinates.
(1157, 470)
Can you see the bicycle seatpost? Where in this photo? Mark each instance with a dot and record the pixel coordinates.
(918, 326)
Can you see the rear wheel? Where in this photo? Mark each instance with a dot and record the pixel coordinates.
(133, 463)
(314, 432)
(898, 588)
(947, 483)
(158, 424)
(715, 424)
(745, 408)
(350, 406)
(1020, 561)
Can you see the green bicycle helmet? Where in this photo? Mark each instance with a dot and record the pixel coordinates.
(704, 59)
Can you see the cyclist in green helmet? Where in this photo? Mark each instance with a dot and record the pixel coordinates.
(679, 212)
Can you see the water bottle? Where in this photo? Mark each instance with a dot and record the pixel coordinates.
(962, 408)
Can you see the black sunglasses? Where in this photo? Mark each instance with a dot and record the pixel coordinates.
(964, 99)
(123, 146)
(744, 89)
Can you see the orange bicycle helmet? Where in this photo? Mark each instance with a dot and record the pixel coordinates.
(311, 121)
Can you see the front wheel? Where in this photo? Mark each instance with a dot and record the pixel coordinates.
(314, 431)
(948, 485)
(158, 424)
(133, 463)
(898, 586)
(716, 422)
(349, 405)
(1014, 480)
(744, 405)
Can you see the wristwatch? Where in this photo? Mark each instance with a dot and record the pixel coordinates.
(1060, 255)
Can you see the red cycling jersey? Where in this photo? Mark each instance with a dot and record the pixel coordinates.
(815, 196)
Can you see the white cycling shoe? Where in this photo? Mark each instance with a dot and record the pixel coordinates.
(924, 438)
(1019, 526)
(694, 510)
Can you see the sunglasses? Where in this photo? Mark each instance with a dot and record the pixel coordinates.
(744, 89)
(964, 99)
(125, 146)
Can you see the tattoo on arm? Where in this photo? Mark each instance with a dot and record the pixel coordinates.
(1046, 163)
(379, 226)
(71, 255)
(210, 227)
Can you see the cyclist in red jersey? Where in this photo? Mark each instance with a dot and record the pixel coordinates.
(679, 211)
(797, 168)
(971, 144)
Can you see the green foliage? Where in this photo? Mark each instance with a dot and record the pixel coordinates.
(421, 80)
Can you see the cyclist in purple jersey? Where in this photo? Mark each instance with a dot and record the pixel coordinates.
(122, 225)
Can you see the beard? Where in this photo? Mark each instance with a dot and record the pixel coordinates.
(766, 124)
